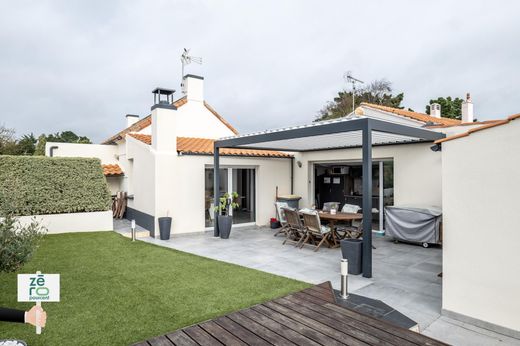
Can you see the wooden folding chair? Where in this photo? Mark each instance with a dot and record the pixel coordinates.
(315, 231)
(295, 230)
(281, 217)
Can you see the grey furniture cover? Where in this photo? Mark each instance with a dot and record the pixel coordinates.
(413, 223)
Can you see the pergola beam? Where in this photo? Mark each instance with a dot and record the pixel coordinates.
(365, 125)
(366, 259)
(216, 189)
(298, 132)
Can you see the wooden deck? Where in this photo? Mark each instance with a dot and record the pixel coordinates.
(308, 317)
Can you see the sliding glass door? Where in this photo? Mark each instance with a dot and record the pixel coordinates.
(239, 180)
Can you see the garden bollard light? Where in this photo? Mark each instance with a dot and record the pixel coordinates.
(133, 230)
(344, 277)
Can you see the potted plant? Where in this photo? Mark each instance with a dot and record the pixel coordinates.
(224, 220)
(165, 224)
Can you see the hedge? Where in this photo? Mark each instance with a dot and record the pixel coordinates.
(36, 185)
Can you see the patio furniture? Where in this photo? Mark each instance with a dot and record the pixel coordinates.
(334, 219)
(281, 217)
(315, 231)
(295, 230)
(414, 224)
(350, 208)
(328, 206)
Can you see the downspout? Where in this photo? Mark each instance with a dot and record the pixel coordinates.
(51, 150)
(292, 175)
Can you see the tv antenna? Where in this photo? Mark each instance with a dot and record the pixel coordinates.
(350, 79)
(187, 59)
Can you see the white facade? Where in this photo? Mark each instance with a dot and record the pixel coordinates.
(417, 171)
(480, 192)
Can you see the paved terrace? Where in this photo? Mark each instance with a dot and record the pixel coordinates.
(404, 276)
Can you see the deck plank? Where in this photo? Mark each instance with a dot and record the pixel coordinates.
(325, 326)
(310, 317)
(419, 339)
(352, 327)
(278, 328)
(295, 325)
(221, 334)
(242, 333)
(260, 330)
(347, 322)
(200, 336)
(180, 338)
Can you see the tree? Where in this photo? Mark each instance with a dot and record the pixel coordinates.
(7, 141)
(40, 146)
(68, 137)
(26, 145)
(378, 92)
(450, 108)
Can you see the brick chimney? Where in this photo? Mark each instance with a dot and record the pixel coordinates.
(467, 110)
(435, 110)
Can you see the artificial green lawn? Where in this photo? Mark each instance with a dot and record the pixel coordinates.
(116, 292)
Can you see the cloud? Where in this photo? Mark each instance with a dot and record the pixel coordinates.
(84, 65)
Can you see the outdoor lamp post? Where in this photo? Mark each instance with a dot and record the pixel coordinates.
(344, 277)
(133, 230)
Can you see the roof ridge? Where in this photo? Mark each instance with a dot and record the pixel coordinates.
(147, 121)
(480, 128)
(422, 117)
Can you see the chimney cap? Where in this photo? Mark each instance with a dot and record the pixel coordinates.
(163, 91)
(193, 76)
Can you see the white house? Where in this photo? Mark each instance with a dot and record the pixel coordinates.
(163, 161)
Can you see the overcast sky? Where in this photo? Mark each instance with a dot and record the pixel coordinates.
(81, 66)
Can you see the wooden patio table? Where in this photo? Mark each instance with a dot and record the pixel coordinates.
(332, 219)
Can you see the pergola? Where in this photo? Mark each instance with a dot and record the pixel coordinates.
(353, 132)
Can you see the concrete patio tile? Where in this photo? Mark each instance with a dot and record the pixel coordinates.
(458, 333)
(404, 275)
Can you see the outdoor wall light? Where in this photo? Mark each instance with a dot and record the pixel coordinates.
(299, 163)
(436, 147)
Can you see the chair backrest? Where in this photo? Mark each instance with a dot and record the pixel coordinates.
(327, 206)
(293, 218)
(350, 208)
(280, 212)
(312, 222)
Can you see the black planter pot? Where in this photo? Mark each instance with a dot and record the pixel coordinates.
(165, 224)
(352, 250)
(224, 225)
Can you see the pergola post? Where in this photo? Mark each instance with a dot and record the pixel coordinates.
(216, 189)
(367, 201)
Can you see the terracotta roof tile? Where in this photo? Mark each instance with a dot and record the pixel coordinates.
(480, 128)
(147, 121)
(413, 115)
(204, 146)
(143, 138)
(112, 169)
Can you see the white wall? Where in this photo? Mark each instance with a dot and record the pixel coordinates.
(72, 222)
(140, 175)
(417, 171)
(481, 198)
(107, 153)
(195, 120)
(187, 203)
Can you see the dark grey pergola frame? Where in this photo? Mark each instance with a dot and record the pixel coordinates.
(366, 125)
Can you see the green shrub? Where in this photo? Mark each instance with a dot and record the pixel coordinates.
(44, 185)
(17, 242)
